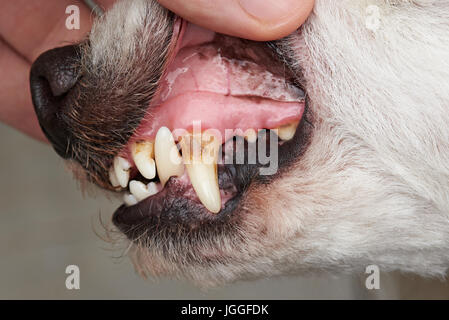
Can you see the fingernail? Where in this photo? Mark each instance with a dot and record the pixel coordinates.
(267, 10)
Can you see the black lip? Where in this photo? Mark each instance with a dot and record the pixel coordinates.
(167, 211)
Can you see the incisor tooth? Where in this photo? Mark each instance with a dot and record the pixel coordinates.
(286, 132)
(143, 156)
(202, 170)
(121, 169)
(129, 199)
(113, 178)
(139, 190)
(168, 159)
(152, 188)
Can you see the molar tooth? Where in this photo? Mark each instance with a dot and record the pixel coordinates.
(113, 177)
(286, 132)
(139, 190)
(121, 169)
(202, 170)
(143, 156)
(168, 159)
(129, 199)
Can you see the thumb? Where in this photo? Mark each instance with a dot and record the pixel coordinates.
(260, 20)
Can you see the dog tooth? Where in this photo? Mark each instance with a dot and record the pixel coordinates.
(286, 132)
(143, 156)
(168, 159)
(202, 172)
(113, 178)
(129, 199)
(251, 135)
(121, 169)
(152, 188)
(139, 190)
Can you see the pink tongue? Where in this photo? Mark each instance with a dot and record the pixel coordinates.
(222, 93)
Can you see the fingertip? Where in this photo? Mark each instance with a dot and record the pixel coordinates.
(275, 19)
(250, 19)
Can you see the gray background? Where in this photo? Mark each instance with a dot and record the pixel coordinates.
(46, 224)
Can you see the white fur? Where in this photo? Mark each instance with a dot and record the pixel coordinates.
(374, 185)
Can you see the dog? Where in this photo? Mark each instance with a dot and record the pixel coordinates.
(357, 98)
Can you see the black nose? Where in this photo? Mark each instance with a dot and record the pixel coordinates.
(52, 77)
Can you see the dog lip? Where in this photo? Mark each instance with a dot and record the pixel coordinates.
(179, 28)
(167, 209)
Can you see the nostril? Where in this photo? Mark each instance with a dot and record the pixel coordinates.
(59, 67)
(52, 77)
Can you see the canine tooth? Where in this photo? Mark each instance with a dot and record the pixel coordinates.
(113, 178)
(129, 199)
(168, 159)
(139, 190)
(286, 132)
(202, 172)
(143, 156)
(121, 169)
(251, 135)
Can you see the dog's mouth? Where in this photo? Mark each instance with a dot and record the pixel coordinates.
(227, 113)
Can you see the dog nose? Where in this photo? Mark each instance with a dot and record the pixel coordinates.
(52, 76)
